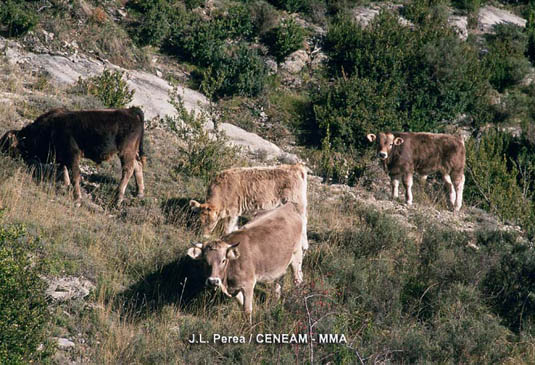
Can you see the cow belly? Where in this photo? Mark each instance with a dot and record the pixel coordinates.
(272, 275)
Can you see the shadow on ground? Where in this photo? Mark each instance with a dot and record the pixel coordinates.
(178, 282)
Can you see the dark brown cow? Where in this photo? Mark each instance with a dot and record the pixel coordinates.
(260, 251)
(403, 154)
(64, 136)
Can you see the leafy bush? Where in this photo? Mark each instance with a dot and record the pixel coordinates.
(390, 76)
(24, 314)
(510, 285)
(505, 56)
(493, 178)
(17, 17)
(154, 19)
(203, 152)
(244, 72)
(109, 87)
(285, 39)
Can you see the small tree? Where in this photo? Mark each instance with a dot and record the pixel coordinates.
(109, 87)
(202, 152)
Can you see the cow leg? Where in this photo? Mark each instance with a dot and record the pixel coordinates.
(458, 181)
(239, 298)
(449, 184)
(76, 177)
(231, 224)
(277, 289)
(394, 184)
(304, 238)
(407, 182)
(128, 170)
(66, 180)
(138, 174)
(296, 264)
(248, 300)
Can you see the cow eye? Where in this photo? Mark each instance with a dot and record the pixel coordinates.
(223, 261)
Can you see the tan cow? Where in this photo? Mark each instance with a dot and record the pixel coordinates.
(259, 252)
(403, 154)
(249, 190)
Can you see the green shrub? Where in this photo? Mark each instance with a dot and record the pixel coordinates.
(285, 39)
(493, 179)
(244, 72)
(17, 17)
(202, 153)
(109, 87)
(505, 58)
(470, 6)
(24, 315)
(390, 76)
(154, 19)
(510, 285)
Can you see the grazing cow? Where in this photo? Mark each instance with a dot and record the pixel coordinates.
(64, 136)
(424, 153)
(260, 251)
(239, 191)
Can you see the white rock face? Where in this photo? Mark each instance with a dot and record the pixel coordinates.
(490, 16)
(66, 288)
(296, 61)
(64, 343)
(460, 24)
(151, 91)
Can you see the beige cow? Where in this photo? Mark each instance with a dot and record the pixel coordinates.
(259, 252)
(250, 190)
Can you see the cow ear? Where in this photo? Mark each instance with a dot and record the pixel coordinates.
(398, 141)
(232, 252)
(195, 205)
(371, 137)
(194, 253)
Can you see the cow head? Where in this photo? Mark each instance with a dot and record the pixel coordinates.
(9, 143)
(208, 214)
(217, 255)
(385, 143)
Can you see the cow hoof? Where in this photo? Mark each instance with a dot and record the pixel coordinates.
(140, 196)
(78, 204)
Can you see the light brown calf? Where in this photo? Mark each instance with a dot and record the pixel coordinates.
(249, 190)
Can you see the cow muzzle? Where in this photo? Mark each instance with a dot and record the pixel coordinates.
(213, 282)
(383, 155)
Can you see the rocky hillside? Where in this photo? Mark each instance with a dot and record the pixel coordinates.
(285, 81)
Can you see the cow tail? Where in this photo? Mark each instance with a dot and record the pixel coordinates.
(139, 114)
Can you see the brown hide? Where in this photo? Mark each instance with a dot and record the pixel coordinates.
(64, 137)
(260, 251)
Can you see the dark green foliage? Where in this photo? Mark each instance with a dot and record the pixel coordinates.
(470, 6)
(154, 19)
(244, 72)
(510, 285)
(23, 310)
(505, 58)
(393, 77)
(285, 39)
(239, 69)
(17, 17)
(495, 180)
